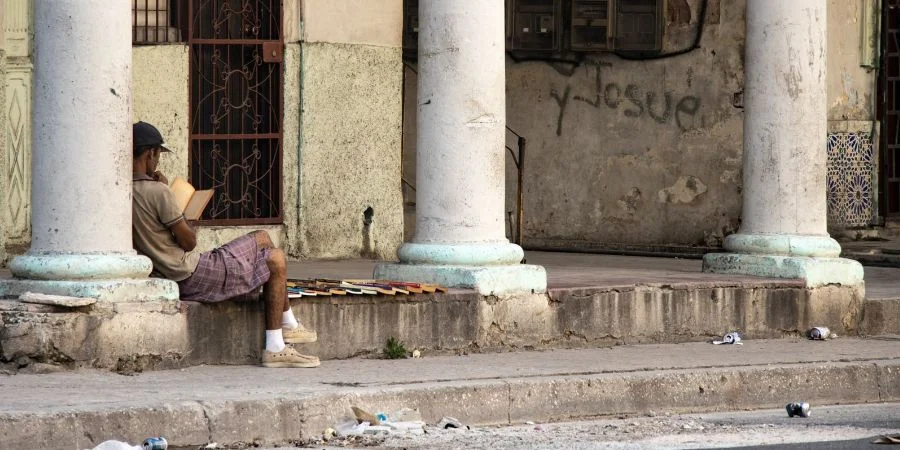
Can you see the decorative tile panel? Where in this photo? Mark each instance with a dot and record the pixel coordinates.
(851, 180)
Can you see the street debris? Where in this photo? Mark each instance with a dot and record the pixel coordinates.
(364, 416)
(116, 445)
(416, 354)
(799, 409)
(155, 443)
(820, 334)
(405, 420)
(890, 440)
(450, 422)
(730, 338)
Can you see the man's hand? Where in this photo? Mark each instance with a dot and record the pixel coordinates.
(158, 176)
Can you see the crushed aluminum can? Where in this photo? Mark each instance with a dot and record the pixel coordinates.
(155, 443)
(799, 409)
(731, 338)
(819, 333)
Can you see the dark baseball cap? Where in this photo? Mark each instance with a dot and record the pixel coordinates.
(146, 136)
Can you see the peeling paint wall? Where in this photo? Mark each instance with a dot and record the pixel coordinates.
(629, 152)
(851, 87)
(350, 200)
(161, 98)
(635, 152)
(648, 152)
(853, 150)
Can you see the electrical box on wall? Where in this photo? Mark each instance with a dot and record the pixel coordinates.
(639, 25)
(534, 25)
(591, 25)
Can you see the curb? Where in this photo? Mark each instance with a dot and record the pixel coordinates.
(496, 401)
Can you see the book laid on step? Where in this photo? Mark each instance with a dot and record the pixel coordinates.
(191, 201)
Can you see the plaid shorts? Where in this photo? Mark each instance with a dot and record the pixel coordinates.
(236, 268)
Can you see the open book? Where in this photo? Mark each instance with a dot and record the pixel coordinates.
(191, 201)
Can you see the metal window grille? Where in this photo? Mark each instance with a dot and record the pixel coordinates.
(236, 53)
(158, 21)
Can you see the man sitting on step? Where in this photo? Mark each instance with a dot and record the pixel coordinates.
(161, 232)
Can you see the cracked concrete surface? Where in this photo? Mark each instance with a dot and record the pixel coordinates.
(250, 404)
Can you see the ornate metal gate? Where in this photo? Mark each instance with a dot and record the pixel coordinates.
(236, 55)
(890, 110)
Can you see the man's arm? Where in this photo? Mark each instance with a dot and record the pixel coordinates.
(173, 219)
(184, 235)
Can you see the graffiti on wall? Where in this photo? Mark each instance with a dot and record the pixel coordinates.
(631, 99)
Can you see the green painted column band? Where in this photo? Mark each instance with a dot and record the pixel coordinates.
(815, 271)
(80, 266)
(461, 254)
(783, 244)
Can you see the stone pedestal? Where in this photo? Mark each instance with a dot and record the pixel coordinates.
(460, 173)
(82, 159)
(784, 232)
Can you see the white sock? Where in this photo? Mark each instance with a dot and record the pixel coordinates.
(274, 341)
(288, 320)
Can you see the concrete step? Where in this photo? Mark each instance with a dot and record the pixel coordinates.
(881, 316)
(130, 337)
(243, 404)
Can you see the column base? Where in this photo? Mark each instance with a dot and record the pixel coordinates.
(815, 271)
(112, 291)
(81, 266)
(487, 280)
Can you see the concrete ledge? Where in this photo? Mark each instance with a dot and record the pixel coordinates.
(140, 336)
(290, 418)
(881, 316)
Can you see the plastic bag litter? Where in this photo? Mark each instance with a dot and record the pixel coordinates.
(351, 428)
(449, 422)
(116, 445)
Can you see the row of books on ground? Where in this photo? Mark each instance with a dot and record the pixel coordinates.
(297, 288)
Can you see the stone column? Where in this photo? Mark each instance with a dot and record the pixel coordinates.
(82, 159)
(783, 233)
(460, 173)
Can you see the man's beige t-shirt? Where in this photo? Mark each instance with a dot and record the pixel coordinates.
(153, 212)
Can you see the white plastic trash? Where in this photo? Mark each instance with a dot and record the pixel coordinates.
(116, 445)
(730, 338)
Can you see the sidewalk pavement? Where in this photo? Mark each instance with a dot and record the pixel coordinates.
(589, 270)
(586, 270)
(232, 404)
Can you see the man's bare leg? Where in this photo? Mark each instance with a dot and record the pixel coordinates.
(274, 291)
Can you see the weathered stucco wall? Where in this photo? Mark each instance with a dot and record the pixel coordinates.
(350, 202)
(629, 152)
(161, 98)
(361, 22)
(851, 86)
(350, 151)
(635, 152)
